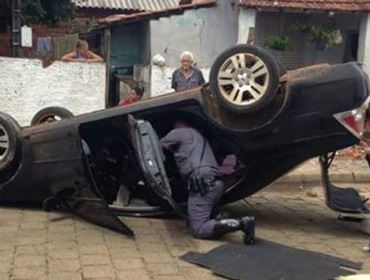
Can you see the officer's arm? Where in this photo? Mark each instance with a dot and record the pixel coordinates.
(171, 140)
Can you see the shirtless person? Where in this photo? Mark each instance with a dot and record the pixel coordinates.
(82, 53)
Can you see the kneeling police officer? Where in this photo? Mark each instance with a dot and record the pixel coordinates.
(198, 166)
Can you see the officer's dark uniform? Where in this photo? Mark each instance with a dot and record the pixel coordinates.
(197, 165)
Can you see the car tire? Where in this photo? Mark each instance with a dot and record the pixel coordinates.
(244, 78)
(10, 132)
(51, 114)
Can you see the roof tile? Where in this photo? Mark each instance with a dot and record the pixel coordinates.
(124, 18)
(136, 5)
(331, 5)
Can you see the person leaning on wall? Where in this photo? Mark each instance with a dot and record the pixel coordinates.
(82, 54)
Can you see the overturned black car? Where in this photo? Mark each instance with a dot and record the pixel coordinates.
(109, 162)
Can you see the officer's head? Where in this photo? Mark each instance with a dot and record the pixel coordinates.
(180, 124)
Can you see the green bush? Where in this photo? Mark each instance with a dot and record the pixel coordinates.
(279, 43)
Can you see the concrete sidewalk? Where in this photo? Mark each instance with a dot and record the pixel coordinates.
(341, 171)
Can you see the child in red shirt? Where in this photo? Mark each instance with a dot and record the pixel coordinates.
(135, 95)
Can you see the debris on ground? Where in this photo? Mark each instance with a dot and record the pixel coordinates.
(268, 260)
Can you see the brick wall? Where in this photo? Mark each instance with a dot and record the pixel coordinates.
(26, 87)
(43, 30)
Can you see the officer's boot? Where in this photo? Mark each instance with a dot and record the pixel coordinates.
(226, 226)
(245, 224)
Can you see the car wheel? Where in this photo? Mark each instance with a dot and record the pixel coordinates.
(51, 114)
(244, 78)
(9, 140)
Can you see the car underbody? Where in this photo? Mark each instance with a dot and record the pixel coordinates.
(110, 161)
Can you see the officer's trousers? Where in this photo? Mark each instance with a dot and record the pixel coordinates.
(200, 208)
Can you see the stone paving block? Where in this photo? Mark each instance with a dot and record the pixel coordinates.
(120, 243)
(60, 228)
(61, 245)
(103, 272)
(10, 228)
(183, 264)
(138, 223)
(62, 237)
(6, 247)
(124, 253)
(63, 254)
(7, 254)
(33, 225)
(28, 250)
(128, 263)
(197, 273)
(157, 258)
(5, 267)
(134, 274)
(148, 238)
(65, 276)
(81, 225)
(33, 261)
(178, 251)
(93, 250)
(93, 240)
(162, 269)
(168, 277)
(152, 248)
(64, 265)
(29, 273)
(4, 276)
(87, 260)
(30, 241)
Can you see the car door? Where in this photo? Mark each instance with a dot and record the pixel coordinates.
(150, 159)
(62, 161)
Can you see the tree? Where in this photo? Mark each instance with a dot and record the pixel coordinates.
(44, 11)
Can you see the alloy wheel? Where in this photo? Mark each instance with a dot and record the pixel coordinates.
(243, 79)
(4, 143)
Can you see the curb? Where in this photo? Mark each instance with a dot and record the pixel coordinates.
(315, 178)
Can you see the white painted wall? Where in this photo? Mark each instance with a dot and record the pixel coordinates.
(364, 43)
(205, 31)
(247, 20)
(26, 87)
(162, 76)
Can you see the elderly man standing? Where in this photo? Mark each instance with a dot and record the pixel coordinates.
(188, 76)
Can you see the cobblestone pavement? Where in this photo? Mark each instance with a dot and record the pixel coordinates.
(37, 245)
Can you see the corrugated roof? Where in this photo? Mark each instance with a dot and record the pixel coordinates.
(137, 5)
(124, 18)
(327, 5)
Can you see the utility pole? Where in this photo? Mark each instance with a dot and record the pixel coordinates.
(16, 27)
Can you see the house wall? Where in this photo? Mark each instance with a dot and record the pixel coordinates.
(130, 45)
(364, 42)
(247, 23)
(347, 23)
(304, 51)
(26, 87)
(206, 32)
